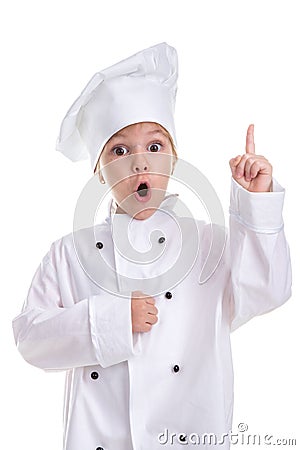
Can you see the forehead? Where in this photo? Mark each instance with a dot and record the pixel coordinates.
(138, 129)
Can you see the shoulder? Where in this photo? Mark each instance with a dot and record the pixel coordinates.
(206, 230)
(67, 246)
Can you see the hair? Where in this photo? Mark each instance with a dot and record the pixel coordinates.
(174, 152)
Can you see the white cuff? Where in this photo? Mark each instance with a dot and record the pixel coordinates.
(111, 328)
(259, 211)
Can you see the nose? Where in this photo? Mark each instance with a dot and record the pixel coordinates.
(140, 163)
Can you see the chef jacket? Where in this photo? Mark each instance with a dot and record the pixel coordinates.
(172, 385)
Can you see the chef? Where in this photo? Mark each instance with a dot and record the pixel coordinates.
(120, 306)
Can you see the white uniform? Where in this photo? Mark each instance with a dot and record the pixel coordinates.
(169, 386)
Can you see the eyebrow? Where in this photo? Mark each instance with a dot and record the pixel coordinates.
(157, 131)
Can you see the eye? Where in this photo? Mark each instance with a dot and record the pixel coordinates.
(120, 151)
(154, 147)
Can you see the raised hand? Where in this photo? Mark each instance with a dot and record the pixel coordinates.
(253, 172)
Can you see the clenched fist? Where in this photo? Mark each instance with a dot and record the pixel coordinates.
(251, 171)
(143, 312)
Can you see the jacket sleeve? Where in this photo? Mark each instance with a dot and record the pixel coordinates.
(95, 330)
(259, 253)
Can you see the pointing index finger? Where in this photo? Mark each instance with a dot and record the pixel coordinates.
(250, 146)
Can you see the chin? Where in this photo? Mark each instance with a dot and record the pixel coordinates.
(142, 215)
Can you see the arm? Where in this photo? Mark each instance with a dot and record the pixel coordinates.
(95, 330)
(259, 253)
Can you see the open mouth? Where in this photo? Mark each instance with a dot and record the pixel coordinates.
(143, 192)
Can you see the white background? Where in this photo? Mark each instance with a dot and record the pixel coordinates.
(239, 64)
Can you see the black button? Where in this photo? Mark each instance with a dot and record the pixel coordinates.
(161, 240)
(94, 375)
(176, 368)
(168, 295)
(99, 245)
(99, 448)
(182, 437)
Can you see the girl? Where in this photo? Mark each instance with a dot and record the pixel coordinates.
(145, 345)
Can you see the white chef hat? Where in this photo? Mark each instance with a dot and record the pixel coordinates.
(141, 88)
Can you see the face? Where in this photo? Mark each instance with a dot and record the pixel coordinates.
(136, 163)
